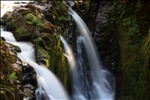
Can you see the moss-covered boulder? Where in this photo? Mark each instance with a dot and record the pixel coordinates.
(27, 21)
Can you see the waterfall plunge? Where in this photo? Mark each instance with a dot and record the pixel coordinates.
(101, 88)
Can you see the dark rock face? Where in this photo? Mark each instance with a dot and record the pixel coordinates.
(2, 38)
(29, 81)
(106, 40)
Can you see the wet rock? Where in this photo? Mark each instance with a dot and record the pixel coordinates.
(47, 28)
(41, 94)
(29, 81)
(17, 49)
(24, 21)
(2, 38)
(6, 18)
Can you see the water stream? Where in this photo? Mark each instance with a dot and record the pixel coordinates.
(49, 86)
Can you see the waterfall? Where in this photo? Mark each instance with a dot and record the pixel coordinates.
(100, 87)
(48, 85)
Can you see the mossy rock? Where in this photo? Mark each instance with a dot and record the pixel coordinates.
(50, 54)
(24, 22)
(10, 77)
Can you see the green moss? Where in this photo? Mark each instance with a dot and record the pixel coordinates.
(135, 83)
(12, 76)
(19, 30)
(51, 55)
(62, 18)
(32, 20)
(134, 49)
(10, 79)
(135, 74)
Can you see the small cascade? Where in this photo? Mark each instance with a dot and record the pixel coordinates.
(77, 87)
(68, 53)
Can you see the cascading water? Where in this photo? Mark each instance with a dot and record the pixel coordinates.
(77, 88)
(68, 53)
(48, 85)
(100, 88)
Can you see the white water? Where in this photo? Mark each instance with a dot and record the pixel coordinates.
(69, 53)
(77, 88)
(101, 88)
(9, 5)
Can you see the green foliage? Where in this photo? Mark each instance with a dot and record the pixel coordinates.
(12, 76)
(123, 8)
(32, 20)
(135, 49)
(59, 16)
(19, 30)
(134, 64)
(62, 18)
(133, 37)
